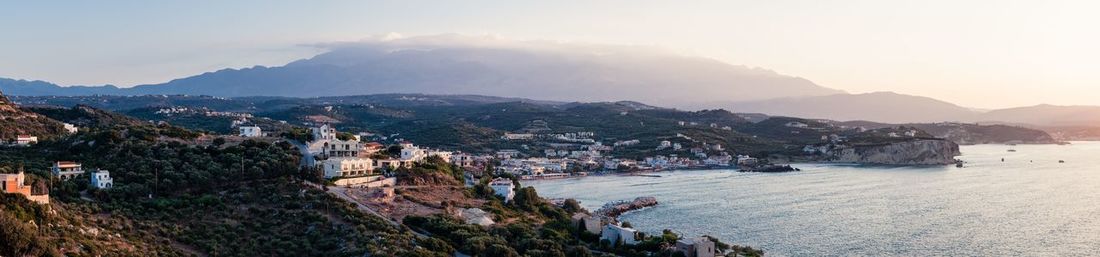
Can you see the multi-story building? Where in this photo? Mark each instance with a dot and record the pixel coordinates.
(410, 152)
(342, 148)
(14, 184)
(65, 170)
(251, 131)
(445, 155)
(102, 179)
(324, 132)
(347, 167)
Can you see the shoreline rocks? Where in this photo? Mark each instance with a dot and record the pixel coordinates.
(614, 209)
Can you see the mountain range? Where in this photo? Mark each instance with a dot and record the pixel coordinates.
(468, 65)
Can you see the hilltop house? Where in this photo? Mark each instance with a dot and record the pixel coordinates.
(15, 184)
(696, 247)
(347, 167)
(251, 131)
(66, 170)
(102, 179)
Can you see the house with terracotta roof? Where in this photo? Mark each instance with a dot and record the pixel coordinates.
(66, 170)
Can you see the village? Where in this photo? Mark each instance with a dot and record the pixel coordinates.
(360, 168)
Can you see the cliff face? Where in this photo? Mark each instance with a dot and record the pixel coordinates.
(916, 152)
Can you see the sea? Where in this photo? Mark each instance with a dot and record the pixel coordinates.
(1038, 200)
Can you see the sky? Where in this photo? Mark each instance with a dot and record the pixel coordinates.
(978, 53)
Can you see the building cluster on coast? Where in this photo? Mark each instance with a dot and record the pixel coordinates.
(573, 154)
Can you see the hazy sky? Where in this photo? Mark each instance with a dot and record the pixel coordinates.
(985, 54)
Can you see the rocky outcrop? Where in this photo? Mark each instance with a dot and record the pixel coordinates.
(914, 152)
(614, 209)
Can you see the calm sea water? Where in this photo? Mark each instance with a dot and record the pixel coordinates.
(1028, 205)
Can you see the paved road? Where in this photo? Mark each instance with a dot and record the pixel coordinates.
(304, 151)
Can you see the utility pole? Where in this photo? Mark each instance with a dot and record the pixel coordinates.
(156, 180)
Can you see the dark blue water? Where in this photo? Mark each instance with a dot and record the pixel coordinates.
(1029, 205)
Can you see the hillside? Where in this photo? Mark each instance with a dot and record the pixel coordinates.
(15, 121)
(1045, 115)
(880, 107)
(971, 134)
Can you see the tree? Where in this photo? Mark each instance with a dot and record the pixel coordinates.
(394, 150)
(578, 251)
(572, 206)
(527, 199)
(498, 250)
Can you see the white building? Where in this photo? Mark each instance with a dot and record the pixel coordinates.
(102, 179)
(410, 152)
(26, 140)
(515, 136)
(746, 160)
(251, 131)
(503, 187)
(324, 132)
(341, 148)
(347, 167)
(696, 247)
(70, 128)
(445, 155)
(65, 170)
(617, 234)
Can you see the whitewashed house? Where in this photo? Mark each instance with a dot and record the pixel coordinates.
(503, 187)
(251, 131)
(617, 234)
(410, 152)
(102, 179)
(324, 132)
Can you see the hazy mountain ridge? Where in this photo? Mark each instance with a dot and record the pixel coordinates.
(558, 73)
(451, 64)
(889, 107)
